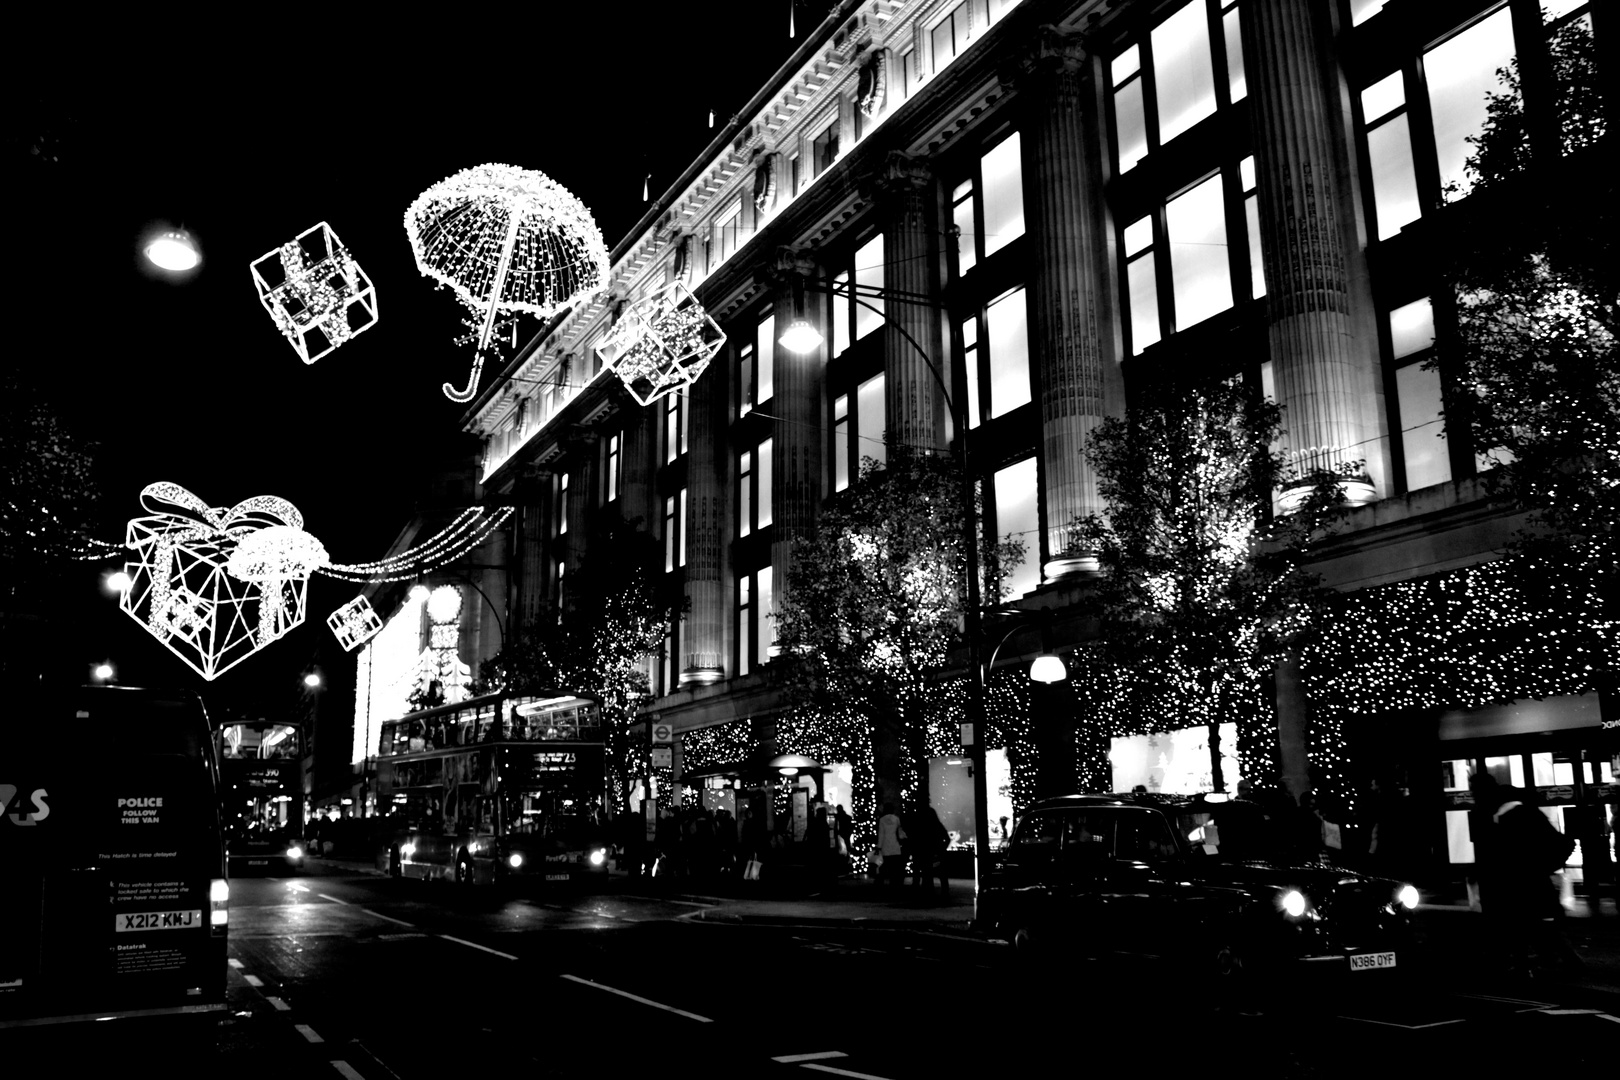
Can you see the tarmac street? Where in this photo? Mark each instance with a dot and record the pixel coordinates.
(342, 972)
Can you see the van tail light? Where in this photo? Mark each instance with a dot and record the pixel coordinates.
(219, 903)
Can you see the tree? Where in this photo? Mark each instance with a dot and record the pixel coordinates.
(1536, 309)
(618, 614)
(874, 603)
(1203, 588)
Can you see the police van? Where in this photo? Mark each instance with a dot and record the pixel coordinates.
(115, 900)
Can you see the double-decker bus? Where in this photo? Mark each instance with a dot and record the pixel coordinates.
(261, 795)
(115, 899)
(498, 788)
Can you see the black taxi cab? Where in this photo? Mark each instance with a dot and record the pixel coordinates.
(1223, 887)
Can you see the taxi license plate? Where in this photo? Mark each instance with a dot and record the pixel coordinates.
(157, 920)
(258, 862)
(557, 877)
(1373, 961)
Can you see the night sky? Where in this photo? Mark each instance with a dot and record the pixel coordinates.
(247, 136)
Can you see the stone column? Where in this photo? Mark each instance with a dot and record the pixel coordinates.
(582, 481)
(1325, 357)
(1076, 374)
(703, 632)
(636, 467)
(911, 265)
(797, 436)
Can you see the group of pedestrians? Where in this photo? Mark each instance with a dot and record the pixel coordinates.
(917, 840)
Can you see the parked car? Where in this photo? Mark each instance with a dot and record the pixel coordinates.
(1222, 887)
(264, 851)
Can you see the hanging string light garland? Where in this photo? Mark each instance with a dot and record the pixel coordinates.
(469, 529)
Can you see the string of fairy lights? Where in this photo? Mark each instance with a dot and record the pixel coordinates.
(470, 528)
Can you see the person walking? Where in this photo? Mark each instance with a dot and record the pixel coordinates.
(891, 848)
(929, 844)
(844, 829)
(1521, 852)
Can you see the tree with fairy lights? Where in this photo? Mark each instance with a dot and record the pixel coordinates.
(875, 601)
(1203, 588)
(618, 614)
(1536, 301)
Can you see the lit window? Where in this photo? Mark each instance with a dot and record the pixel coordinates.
(870, 420)
(745, 624)
(1007, 333)
(763, 335)
(1200, 267)
(970, 362)
(1183, 71)
(670, 539)
(1251, 218)
(967, 243)
(612, 468)
(1418, 396)
(560, 511)
(841, 442)
(1237, 87)
(745, 493)
(948, 36)
(680, 526)
(672, 427)
(764, 625)
(745, 379)
(1130, 123)
(1003, 195)
(728, 229)
(762, 505)
(1459, 74)
(1017, 514)
(824, 149)
(841, 304)
(1141, 275)
(1389, 152)
(869, 277)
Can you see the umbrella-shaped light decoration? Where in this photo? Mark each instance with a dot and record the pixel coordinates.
(662, 343)
(506, 239)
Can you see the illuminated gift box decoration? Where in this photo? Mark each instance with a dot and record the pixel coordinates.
(355, 623)
(315, 292)
(216, 585)
(661, 344)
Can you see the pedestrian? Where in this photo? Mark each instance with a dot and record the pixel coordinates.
(1522, 851)
(844, 829)
(891, 848)
(754, 839)
(929, 844)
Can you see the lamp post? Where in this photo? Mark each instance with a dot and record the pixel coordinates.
(802, 337)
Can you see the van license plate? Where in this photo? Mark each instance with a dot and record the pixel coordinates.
(1373, 961)
(157, 920)
(556, 877)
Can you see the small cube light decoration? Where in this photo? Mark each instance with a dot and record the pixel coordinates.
(355, 623)
(315, 292)
(662, 343)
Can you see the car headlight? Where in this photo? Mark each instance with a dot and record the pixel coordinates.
(598, 857)
(514, 860)
(1407, 896)
(407, 850)
(295, 852)
(1292, 903)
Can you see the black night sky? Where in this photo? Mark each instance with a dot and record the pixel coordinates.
(248, 136)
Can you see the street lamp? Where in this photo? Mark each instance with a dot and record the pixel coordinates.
(312, 680)
(103, 672)
(174, 251)
(802, 337)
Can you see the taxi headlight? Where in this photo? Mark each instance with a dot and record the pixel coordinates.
(295, 852)
(514, 860)
(1407, 897)
(1292, 903)
(407, 850)
(598, 857)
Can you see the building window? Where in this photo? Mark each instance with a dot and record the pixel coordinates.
(559, 510)
(841, 303)
(708, 254)
(824, 149)
(1006, 322)
(1017, 514)
(948, 37)
(840, 429)
(988, 208)
(1251, 218)
(793, 175)
(1418, 396)
(871, 422)
(963, 209)
(745, 378)
(728, 229)
(765, 338)
(612, 487)
(756, 629)
(671, 533)
(1460, 74)
(675, 426)
(1141, 282)
(754, 489)
(562, 569)
(1389, 154)
(908, 71)
(971, 362)
(1200, 264)
(1186, 68)
(745, 493)
(745, 624)
(869, 282)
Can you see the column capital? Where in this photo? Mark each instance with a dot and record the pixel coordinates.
(900, 176)
(789, 262)
(1052, 52)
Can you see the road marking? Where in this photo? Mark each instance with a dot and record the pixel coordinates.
(481, 948)
(347, 1071)
(1407, 1027)
(1508, 1000)
(637, 997)
(308, 1032)
(1606, 1016)
(235, 963)
(379, 1062)
(794, 1059)
(390, 918)
(253, 980)
(334, 899)
(843, 1072)
(1573, 1012)
(277, 1003)
(295, 887)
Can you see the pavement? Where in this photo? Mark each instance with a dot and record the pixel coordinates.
(1454, 939)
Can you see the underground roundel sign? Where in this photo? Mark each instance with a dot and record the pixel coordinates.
(663, 734)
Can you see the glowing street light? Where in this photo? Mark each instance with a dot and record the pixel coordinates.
(103, 672)
(312, 680)
(174, 251)
(118, 582)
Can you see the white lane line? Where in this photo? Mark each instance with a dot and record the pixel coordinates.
(638, 997)
(390, 918)
(347, 1071)
(277, 1003)
(308, 1032)
(253, 980)
(1508, 1000)
(334, 899)
(1573, 1012)
(794, 1059)
(379, 1062)
(235, 963)
(481, 948)
(1407, 1027)
(1606, 1016)
(296, 887)
(843, 1072)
